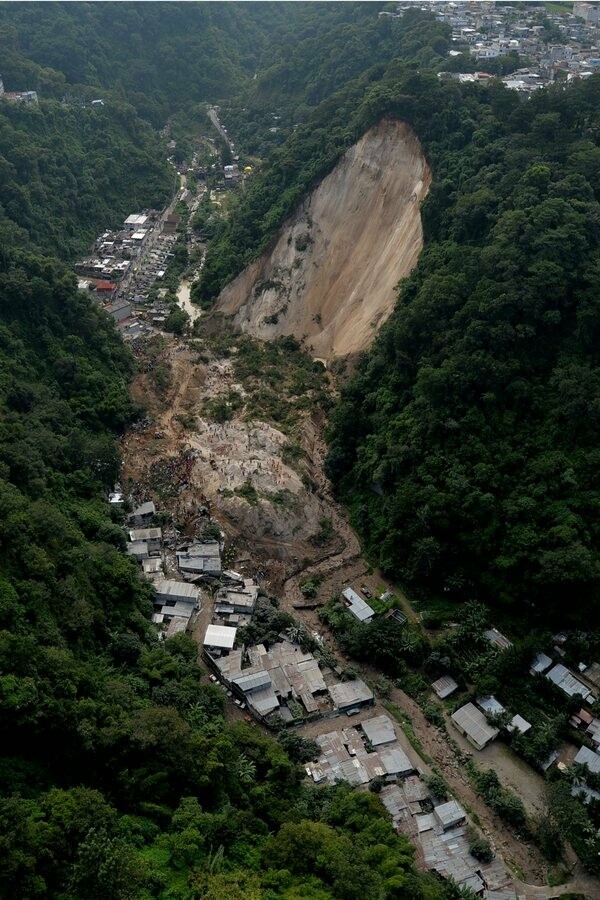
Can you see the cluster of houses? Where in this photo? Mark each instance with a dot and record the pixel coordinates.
(176, 600)
(17, 96)
(281, 684)
(360, 754)
(121, 267)
(370, 751)
(488, 31)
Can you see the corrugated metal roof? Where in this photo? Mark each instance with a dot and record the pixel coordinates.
(179, 589)
(395, 761)
(444, 686)
(449, 814)
(588, 758)
(263, 700)
(220, 636)
(567, 682)
(473, 722)
(497, 638)
(490, 705)
(252, 681)
(348, 693)
(540, 663)
(357, 606)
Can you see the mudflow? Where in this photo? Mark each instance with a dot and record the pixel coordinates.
(330, 275)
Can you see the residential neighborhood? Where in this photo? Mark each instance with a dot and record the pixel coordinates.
(553, 44)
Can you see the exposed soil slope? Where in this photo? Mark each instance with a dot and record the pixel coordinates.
(331, 274)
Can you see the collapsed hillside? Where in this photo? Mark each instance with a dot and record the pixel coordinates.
(330, 275)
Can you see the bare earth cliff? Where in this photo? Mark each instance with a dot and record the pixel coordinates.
(330, 276)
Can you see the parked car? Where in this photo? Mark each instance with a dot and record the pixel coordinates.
(365, 590)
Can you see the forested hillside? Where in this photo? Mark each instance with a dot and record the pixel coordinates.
(313, 149)
(68, 172)
(466, 444)
(162, 56)
(119, 775)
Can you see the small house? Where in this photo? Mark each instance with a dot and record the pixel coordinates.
(449, 814)
(540, 664)
(567, 682)
(151, 536)
(444, 686)
(219, 639)
(589, 758)
(518, 723)
(472, 723)
(379, 730)
(348, 696)
(138, 549)
(490, 705)
(152, 566)
(143, 514)
(203, 557)
(357, 606)
(120, 310)
(169, 593)
(496, 638)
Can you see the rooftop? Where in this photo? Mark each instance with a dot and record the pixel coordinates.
(449, 814)
(145, 509)
(220, 636)
(473, 722)
(179, 589)
(379, 730)
(567, 682)
(347, 693)
(587, 757)
(540, 663)
(444, 686)
(357, 606)
(497, 638)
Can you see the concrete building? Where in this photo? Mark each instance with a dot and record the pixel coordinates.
(203, 557)
(152, 536)
(350, 695)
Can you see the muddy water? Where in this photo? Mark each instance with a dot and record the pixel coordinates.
(184, 300)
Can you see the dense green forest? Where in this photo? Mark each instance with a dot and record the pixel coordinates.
(67, 172)
(466, 442)
(162, 56)
(119, 774)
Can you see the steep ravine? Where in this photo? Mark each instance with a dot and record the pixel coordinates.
(330, 275)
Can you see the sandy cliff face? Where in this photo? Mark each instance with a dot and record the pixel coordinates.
(330, 276)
